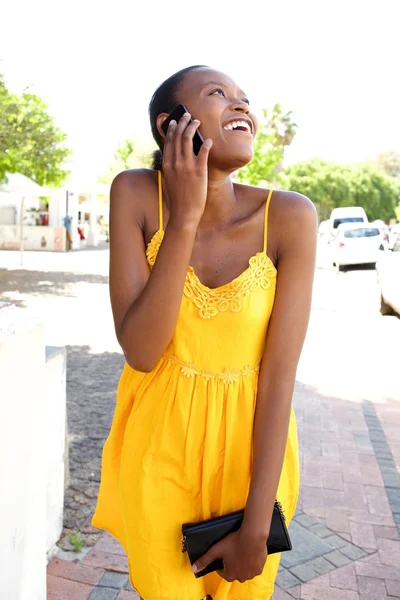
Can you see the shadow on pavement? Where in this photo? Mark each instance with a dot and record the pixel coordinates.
(92, 381)
(43, 283)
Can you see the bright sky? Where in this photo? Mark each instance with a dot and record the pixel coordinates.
(335, 63)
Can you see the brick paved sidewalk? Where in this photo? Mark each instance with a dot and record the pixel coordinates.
(346, 531)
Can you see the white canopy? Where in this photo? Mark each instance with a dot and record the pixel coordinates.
(88, 206)
(16, 183)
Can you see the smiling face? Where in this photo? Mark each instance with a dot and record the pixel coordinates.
(224, 112)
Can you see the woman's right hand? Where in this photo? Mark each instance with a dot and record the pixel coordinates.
(185, 174)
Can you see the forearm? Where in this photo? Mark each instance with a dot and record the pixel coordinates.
(269, 443)
(151, 320)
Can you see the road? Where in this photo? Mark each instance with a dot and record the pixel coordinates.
(351, 351)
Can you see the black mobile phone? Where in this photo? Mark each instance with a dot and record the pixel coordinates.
(177, 114)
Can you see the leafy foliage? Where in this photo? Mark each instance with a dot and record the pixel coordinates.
(331, 185)
(128, 155)
(389, 163)
(275, 132)
(30, 142)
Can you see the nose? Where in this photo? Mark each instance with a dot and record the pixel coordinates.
(240, 106)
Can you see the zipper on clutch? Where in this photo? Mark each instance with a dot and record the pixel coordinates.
(184, 545)
(279, 505)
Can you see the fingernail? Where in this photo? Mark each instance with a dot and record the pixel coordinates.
(194, 568)
(186, 115)
(172, 123)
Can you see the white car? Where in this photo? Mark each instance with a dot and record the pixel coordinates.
(345, 214)
(384, 229)
(394, 231)
(355, 244)
(388, 270)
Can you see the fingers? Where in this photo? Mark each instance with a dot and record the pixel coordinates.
(179, 143)
(182, 125)
(206, 559)
(187, 138)
(202, 156)
(168, 150)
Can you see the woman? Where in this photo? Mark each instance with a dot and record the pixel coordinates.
(203, 423)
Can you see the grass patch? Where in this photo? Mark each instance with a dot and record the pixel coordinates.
(76, 542)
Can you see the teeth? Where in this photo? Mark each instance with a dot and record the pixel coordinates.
(235, 124)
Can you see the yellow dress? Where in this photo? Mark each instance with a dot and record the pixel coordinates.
(180, 445)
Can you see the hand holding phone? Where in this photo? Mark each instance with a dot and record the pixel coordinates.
(176, 115)
(185, 168)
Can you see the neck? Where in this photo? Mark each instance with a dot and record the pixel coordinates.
(221, 199)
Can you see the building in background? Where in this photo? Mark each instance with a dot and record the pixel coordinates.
(32, 217)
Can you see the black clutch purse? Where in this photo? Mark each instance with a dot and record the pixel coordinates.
(197, 538)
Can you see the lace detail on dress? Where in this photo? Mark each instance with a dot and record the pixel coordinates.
(230, 296)
(154, 246)
(228, 375)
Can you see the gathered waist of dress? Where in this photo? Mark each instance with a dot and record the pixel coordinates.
(226, 375)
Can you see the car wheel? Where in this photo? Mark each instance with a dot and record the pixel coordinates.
(385, 308)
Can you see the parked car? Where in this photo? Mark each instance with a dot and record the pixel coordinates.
(388, 270)
(384, 229)
(394, 231)
(355, 244)
(345, 214)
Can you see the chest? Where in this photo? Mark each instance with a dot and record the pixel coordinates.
(230, 297)
(218, 259)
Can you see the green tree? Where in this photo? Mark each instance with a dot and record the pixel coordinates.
(331, 185)
(328, 185)
(389, 163)
(30, 142)
(128, 155)
(275, 132)
(374, 191)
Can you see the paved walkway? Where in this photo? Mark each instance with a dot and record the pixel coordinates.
(346, 531)
(91, 383)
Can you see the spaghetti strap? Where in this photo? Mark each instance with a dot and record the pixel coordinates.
(160, 207)
(266, 221)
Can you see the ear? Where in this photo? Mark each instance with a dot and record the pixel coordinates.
(160, 120)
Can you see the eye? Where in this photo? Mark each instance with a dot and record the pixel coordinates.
(218, 91)
(246, 101)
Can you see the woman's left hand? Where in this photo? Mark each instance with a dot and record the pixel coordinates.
(243, 556)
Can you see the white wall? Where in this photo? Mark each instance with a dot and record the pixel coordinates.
(35, 238)
(32, 445)
(14, 201)
(57, 209)
(23, 404)
(56, 368)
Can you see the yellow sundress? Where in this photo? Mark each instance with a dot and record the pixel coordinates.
(180, 445)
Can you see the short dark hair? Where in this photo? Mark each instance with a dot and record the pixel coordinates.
(164, 101)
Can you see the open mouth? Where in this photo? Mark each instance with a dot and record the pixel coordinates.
(238, 126)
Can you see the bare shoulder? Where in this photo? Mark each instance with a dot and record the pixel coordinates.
(133, 181)
(133, 195)
(295, 221)
(292, 222)
(292, 205)
(284, 204)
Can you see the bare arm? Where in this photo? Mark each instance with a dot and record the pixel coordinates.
(244, 552)
(146, 304)
(285, 338)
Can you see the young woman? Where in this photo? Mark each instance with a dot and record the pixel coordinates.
(211, 289)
